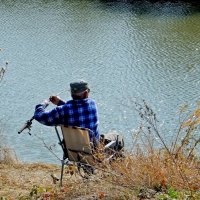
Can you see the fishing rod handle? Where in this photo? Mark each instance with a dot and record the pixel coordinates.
(29, 122)
(23, 128)
(26, 125)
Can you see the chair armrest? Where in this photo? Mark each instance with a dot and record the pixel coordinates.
(110, 145)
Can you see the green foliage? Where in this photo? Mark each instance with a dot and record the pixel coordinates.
(39, 192)
(35, 193)
(173, 193)
(3, 198)
(163, 197)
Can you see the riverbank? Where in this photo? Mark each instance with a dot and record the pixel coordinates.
(134, 177)
(34, 181)
(148, 171)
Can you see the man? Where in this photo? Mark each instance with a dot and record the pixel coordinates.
(81, 111)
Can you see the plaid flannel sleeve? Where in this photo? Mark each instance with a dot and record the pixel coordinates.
(61, 102)
(49, 118)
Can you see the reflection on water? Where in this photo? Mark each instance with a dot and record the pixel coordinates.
(156, 7)
(126, 51)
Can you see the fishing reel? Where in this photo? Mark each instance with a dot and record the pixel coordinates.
(27, 125)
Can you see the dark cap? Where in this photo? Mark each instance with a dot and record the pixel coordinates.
(78, 87)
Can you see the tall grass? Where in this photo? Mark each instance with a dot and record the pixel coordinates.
(164, 166)
(7, 154)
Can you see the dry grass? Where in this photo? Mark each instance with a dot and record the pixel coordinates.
(174, 165)
(167, 168)
(8, 156)
(18, 179)
(157, 171)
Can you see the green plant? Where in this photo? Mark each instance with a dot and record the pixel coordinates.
(173, 193)
(3, 198)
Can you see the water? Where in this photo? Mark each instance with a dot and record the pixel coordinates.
(127, 52)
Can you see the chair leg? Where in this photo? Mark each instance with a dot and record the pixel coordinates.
(62, 169)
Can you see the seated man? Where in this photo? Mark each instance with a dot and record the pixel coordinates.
(81, 111)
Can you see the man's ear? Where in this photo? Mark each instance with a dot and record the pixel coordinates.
(86, 94)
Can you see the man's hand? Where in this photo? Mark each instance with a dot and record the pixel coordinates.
(54, 99)
(46, 103)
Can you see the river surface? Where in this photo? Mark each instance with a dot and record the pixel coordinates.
(127, 52)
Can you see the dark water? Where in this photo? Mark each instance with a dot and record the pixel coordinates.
(127, 52)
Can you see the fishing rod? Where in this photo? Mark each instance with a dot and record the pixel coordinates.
(29, 122)
(27, 125)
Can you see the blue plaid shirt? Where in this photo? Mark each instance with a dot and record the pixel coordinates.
(81, 113)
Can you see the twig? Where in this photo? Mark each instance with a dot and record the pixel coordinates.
(47, 147)
(192, 149)
(2, 71)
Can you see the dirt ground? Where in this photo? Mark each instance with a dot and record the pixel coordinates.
(34, 181)
(19, 179)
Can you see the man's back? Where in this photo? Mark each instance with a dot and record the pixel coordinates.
(81, 113)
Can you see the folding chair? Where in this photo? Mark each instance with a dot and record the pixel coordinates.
(77, 148)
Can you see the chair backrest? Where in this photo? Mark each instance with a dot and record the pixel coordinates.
(77, 144)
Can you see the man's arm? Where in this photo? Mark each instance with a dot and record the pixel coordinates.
(49, 118)
(56, 100)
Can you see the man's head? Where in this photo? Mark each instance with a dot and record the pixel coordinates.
(79, 90)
